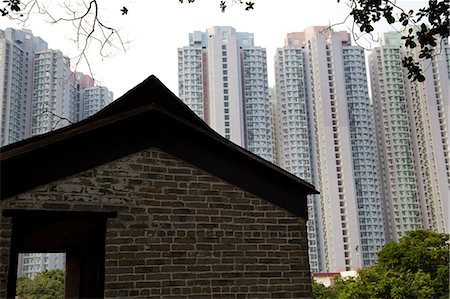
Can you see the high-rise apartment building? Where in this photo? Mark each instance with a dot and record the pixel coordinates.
(94, 99)
(17, 50)
(413, 127)
(39, 93)
(223, 79)
(429, 112)
(322, 78)
(430, 116)
(347, 164)
(292, 127)
(53, 100)
(395, 147)
(376, 181)
(80, 82)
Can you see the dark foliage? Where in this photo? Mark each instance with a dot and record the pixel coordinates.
(425, 27)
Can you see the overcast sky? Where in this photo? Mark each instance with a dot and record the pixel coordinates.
(154, 29)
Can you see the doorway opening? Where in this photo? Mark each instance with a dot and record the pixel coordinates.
(80, 235)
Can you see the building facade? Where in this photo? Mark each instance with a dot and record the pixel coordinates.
(429, 112)
(412, 123)
(382, 167)
(293, 143)
(94, 99)
(53, 100)
(17, 50)
(394, 138)
(345, 156)
(39, 93)
(223, 79)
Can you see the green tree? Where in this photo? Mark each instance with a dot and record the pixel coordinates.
(23, 286)
(45, 285)
(415, 267)
(322, 292)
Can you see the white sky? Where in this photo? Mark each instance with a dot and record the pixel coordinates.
(156, 28)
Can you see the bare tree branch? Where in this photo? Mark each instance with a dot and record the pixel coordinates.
(89, 27)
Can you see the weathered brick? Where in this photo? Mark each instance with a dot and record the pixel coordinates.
(180, 232)
(157, 276)
(119, 270)
(119, 285)
(147, 269)
(131, 262)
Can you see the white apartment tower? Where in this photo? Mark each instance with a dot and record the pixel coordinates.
(223, 79)
(62, 97)
(80, 81)
(53, 101)
(292, 128)
(429, 110)
(413, 124)
(345, 158)
(17, 48)
(89, 98)
(38, 91)
(94, 99)
(394, 138)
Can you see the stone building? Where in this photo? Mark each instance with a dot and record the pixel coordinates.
(147, 201)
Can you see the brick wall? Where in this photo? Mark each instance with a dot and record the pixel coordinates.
(5, 237)
(180, 232)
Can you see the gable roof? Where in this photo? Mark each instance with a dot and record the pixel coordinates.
(149, 115)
